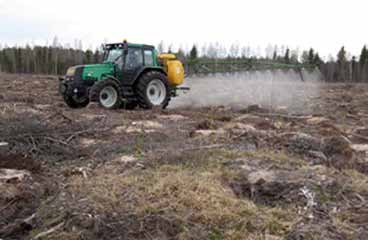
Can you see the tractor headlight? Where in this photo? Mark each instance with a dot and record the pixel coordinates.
(70, 72)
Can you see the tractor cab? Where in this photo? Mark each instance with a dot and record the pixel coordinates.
(130, 59)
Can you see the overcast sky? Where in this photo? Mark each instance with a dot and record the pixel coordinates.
(325, 25)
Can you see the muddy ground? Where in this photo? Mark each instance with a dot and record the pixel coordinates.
(183, 173)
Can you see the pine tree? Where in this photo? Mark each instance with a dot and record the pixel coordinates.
(274, 57)
(88, 57)
(294, 56)
(287, 56)
(364, 55)
(12, 60)
(311, 56)
(354, 69)
(29, 67)
(193, 55)
(342, 65)
(305, 57)
(317, 60)
(341, 56)
(96, 57)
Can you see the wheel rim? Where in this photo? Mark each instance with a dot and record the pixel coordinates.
(156, 92)
(108, 96)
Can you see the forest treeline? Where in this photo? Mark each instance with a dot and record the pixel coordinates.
(346, 70)
(56, 59)
(44, 60)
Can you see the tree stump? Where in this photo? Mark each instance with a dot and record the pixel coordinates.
(4, 148)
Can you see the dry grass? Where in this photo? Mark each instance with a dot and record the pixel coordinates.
(276, 157)
(359, 181)
(197, 203)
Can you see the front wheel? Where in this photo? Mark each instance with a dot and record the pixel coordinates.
(73, 100)
(107, 94)
(153, 90)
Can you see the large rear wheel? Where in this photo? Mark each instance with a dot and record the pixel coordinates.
(153, 90)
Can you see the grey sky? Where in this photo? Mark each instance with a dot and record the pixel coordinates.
(325, 25)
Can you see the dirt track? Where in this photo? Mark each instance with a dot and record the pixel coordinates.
(186, 173)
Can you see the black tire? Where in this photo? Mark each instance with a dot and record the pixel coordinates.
(98, 90)
(142, 93)
(74, 101)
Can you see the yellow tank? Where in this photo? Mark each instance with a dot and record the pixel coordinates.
(174, 69)
(167, 56)
(175, 72)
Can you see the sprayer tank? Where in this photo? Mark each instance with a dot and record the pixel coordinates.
(174, 69)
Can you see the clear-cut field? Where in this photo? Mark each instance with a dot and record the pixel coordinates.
(209, 172)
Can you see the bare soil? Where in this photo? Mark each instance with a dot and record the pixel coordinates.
(184, 173)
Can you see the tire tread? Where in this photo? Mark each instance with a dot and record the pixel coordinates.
(141, 87)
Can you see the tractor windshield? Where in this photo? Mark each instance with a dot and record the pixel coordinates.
(112, 54)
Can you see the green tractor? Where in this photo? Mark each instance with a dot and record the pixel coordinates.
(131, 75)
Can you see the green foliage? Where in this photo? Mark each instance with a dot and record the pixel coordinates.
(341, 56)
(88, 56)
(305, 57)
(294, 57)
(216, 235)
(44, 60)
(364, 56)
(274, 57)
(317, 60)
(311, 56)
(193, 55)
(342, 73)
(287, 56)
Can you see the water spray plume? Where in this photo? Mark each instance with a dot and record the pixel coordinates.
(271, 89)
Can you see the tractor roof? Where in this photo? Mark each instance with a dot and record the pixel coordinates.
(120, 45)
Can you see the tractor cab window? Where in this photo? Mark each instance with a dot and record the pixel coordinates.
(148, 57)
(113, 55)
(134, 58)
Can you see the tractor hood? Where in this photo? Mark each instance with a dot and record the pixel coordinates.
(97, 71)
(90, 72)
